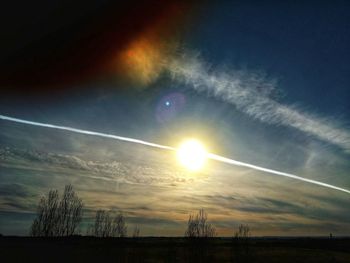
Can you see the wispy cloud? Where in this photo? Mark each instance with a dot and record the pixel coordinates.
(253, 94)
(114, 171)
(157, 197)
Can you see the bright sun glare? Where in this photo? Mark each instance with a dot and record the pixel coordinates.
(192, 155)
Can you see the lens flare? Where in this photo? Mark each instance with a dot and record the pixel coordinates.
(143, 59)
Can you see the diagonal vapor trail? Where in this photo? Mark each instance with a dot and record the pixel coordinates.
(100, 134)
(267, 170)
(252, 94)
(155, 145)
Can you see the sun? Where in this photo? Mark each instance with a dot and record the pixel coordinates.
(192, 155)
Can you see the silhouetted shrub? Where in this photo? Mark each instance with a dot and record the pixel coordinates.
(241, 246)
(197, 226)
(243, 232)
(136, 232)
(58, 217)
(108, 225)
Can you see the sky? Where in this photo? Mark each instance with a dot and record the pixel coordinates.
(261, 83)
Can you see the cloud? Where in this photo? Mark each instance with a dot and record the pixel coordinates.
(131, 172)
(15, 189)
(254, 94)
(271, 206)
(159, 198)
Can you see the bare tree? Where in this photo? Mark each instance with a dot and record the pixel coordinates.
(241, 249)
(243, 232)
(45, 224)
(197, 226)
(103, 224)
(57, 217)
(136, 232)
(70, 212)
(107, 225)
(119, 226)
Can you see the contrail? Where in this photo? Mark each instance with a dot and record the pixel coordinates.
(155, 145)
(267, 170)
(252, 94)
(111, 136)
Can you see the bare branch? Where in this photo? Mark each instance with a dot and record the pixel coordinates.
(197, 226)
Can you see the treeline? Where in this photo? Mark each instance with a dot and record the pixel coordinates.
(59, 216)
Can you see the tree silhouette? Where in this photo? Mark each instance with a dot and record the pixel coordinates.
(107, 225)
(136, 232)
(241, 249)
(119, 226)
(197, 226)
(57, 217)
(243, 232)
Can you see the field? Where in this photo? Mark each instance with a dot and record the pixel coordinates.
(158, 249)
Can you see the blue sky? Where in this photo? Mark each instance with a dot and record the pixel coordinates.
(304, 45)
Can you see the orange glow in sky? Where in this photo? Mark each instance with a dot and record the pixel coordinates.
(144, 60)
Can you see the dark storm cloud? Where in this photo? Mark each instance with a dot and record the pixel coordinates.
(59, 42)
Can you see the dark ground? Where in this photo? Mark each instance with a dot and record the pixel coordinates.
(157, 249)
